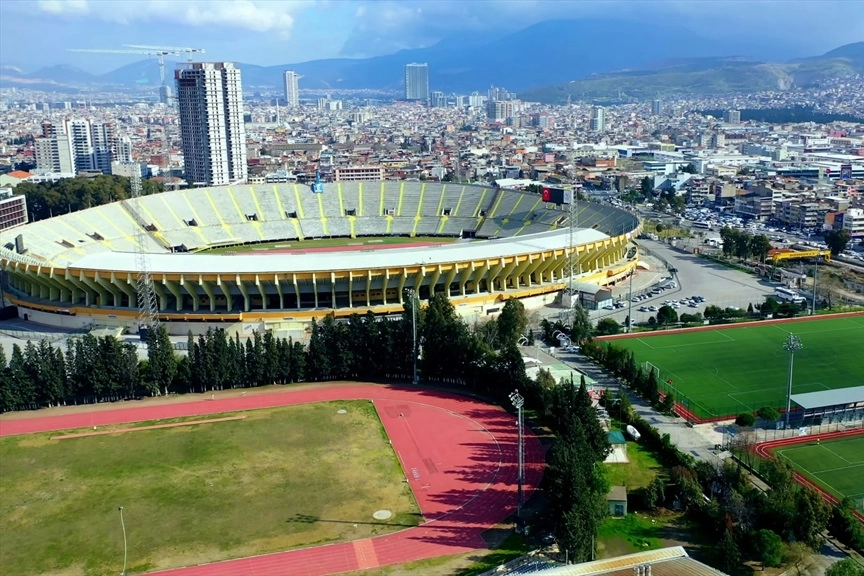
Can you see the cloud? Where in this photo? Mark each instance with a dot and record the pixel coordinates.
(255, 15)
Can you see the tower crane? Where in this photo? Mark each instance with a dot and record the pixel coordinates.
(160, 54)
(173, 49)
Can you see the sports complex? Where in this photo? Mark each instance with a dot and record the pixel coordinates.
(307, 480)
(718, 372)
(277, 256)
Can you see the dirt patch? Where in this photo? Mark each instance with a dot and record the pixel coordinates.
(139, 428)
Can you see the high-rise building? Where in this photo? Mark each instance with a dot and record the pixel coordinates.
(496, 94)
(598, 119)
(498, 110)
(656, 107)
(210, 102)
(438, 100)
(76, 145)
(417, 81)
(292, 89)
(732, 117)
(475, 100)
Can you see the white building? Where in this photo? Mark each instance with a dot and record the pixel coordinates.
(13, 209)
(79, 144)
(210, 102)
(292, 89)
(416, 81)
(598, 119)
(54, 154)
(853, 222)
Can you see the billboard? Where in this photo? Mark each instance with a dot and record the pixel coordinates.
(845, 171)
(557, 195)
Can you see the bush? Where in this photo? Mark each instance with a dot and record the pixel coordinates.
(768, 413)
(745, 420)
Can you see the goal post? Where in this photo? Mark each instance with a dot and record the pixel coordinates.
(648, 367)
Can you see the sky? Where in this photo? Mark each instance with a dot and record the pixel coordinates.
(37, 33)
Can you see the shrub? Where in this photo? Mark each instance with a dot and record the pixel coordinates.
(746, 419)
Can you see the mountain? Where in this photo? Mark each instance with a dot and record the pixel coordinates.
(592, 58)
(704, 76)
(546, 53)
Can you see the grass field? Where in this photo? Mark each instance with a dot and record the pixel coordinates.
(278, 479)
(727, 371)
(836, 465)
(330, 243)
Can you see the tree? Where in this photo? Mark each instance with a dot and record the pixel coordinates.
(845, 567)
(668, 404)
(797, 555)
(655, 493)
(768, 547)
(608, 326)
(688, 169)
(161, 360)
(745, 420)
(511, 322)
(760, 245)
(837, 240)
(769, 307)
(768, 413)
(667, 315)
(646, 186)
(730, 555)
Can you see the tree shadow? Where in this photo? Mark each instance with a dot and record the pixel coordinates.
(309, 519)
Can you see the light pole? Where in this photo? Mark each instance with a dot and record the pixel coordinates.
(411, 294)
(791, 345)
(518, 401)
(125, 549)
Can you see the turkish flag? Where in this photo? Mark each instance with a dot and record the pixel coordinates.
(547, 195)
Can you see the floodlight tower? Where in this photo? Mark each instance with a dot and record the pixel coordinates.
(413, 295)
(791, 345)
(148, 317)
(518, 402)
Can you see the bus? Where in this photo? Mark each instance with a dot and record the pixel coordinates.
(702, 225)
(789, 295)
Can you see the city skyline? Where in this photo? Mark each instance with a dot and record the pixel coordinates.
(272, 33)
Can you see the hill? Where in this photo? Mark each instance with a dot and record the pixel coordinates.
(706, 76)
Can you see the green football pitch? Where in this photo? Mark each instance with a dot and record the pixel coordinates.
(727, 371)
(836, 465)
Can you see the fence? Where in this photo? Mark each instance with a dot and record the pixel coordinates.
(697, 412)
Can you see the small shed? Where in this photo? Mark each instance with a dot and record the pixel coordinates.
(617, 499)
(616, 439)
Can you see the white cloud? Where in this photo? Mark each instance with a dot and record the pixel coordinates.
(255, 15)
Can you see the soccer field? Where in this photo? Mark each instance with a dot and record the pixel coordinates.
(727, 371)
(276, 479)
(836, 465)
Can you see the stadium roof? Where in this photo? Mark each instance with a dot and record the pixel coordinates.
(672, 561)
(825, 398)
(326, 261)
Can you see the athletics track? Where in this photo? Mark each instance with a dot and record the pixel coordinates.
(458, 454)
(766, 450)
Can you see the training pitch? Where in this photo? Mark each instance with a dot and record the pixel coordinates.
(835, 465)
(726, 371)
(265, 481)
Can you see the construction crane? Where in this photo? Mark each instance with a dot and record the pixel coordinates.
(173, 49)
(160, 54)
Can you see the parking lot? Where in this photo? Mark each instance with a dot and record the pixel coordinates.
(709, 282)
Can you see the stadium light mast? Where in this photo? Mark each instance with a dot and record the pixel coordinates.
(518, 401)
(413, 295)
(791, 345)
(125, 549)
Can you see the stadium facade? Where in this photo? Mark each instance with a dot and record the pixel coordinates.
(80, 269)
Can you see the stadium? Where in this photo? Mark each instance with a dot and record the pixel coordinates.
(277, 256)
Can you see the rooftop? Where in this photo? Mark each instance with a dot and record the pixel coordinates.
(824, 398)
(672, 561)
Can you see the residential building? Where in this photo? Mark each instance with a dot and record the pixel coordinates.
(210, 103)
(354, 173)
(598, 119)
(656, 107)
(499, 110)
(292, 89)
(438, 100)
(756, 205)
(732, 117)
(13, 209)
(853, 222)
(417, 81)
(54, 154)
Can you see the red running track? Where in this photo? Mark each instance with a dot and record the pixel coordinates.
(766, 450)
(459, 456)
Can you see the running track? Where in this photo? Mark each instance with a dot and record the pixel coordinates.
(459, 456)
(766, 450)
